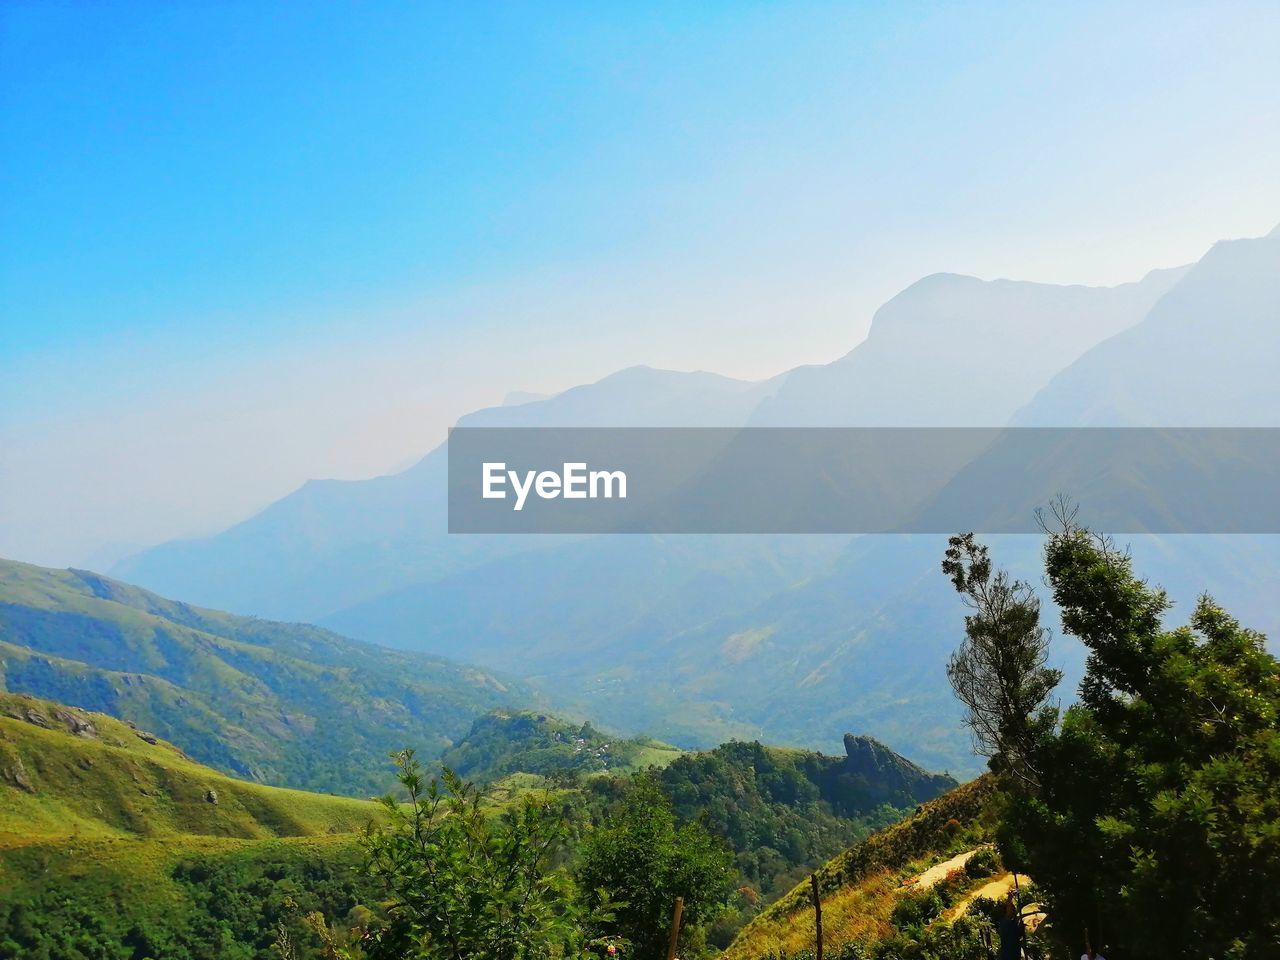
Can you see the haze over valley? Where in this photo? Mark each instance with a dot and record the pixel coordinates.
(795, 639)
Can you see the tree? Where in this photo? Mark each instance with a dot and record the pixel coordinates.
(1166, 770)
(999, 671)
(645, 861)
(1154, 820)
(463, 887)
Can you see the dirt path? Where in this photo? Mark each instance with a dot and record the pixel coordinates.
(938, 872)
(995, 889)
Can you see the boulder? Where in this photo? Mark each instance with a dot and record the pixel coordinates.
(16, 776)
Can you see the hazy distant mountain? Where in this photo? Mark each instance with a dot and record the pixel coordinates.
(588, 601)
(1206, 355)
(333, 543)
(793, 639)
(631, 623)
(862, 646)
(516, 398)
(958, 351)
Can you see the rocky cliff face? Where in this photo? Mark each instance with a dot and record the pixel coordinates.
(889, 776)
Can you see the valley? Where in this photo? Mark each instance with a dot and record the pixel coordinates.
(117, 844)
(177, 781)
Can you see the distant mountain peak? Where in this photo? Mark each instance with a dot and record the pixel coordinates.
(995, 342)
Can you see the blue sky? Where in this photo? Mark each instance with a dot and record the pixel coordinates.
(344, 225)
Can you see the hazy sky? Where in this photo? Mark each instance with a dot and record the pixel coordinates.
(247, 244)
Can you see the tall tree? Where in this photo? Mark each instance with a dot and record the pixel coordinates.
(1154, 817)
(999, 672)
(1164, 808)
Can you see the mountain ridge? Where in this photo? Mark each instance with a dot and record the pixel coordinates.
(286, 703)
(641, 633)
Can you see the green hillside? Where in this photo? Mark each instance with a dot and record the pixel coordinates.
(780, 811)
(115, 844)
(69, 772)
(505, 742)
(896, 892)
(784, 811)
(282, 703)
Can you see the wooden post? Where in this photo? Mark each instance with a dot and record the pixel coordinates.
(817, 911)
(1017, 903)
(675, 928)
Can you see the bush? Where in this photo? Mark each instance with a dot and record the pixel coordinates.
(917, 910)
(984, 863)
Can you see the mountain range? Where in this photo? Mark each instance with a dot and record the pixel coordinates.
(797, 639)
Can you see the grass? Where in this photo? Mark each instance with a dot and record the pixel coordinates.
(132, 871)
(652, 753)
(102, 833)
(861, 886)
(109, 782)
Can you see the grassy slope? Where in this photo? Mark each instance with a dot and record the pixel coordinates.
(108, 782)
(97, 822)
(283, 703)
(860, 886)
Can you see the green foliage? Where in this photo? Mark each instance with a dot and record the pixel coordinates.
(90, 776)
(503, 742)
(645, 861)
(781, 811)
(785, 811)
(999, 671)
(968, 938)
(283, 703)
(982, 864)
(1156, 820)
(226, 905)
(460, 887)
(917, 910)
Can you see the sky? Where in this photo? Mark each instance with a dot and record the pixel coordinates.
(243, 245)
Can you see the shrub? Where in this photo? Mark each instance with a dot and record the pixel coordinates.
(984, 863)
(916, 910)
